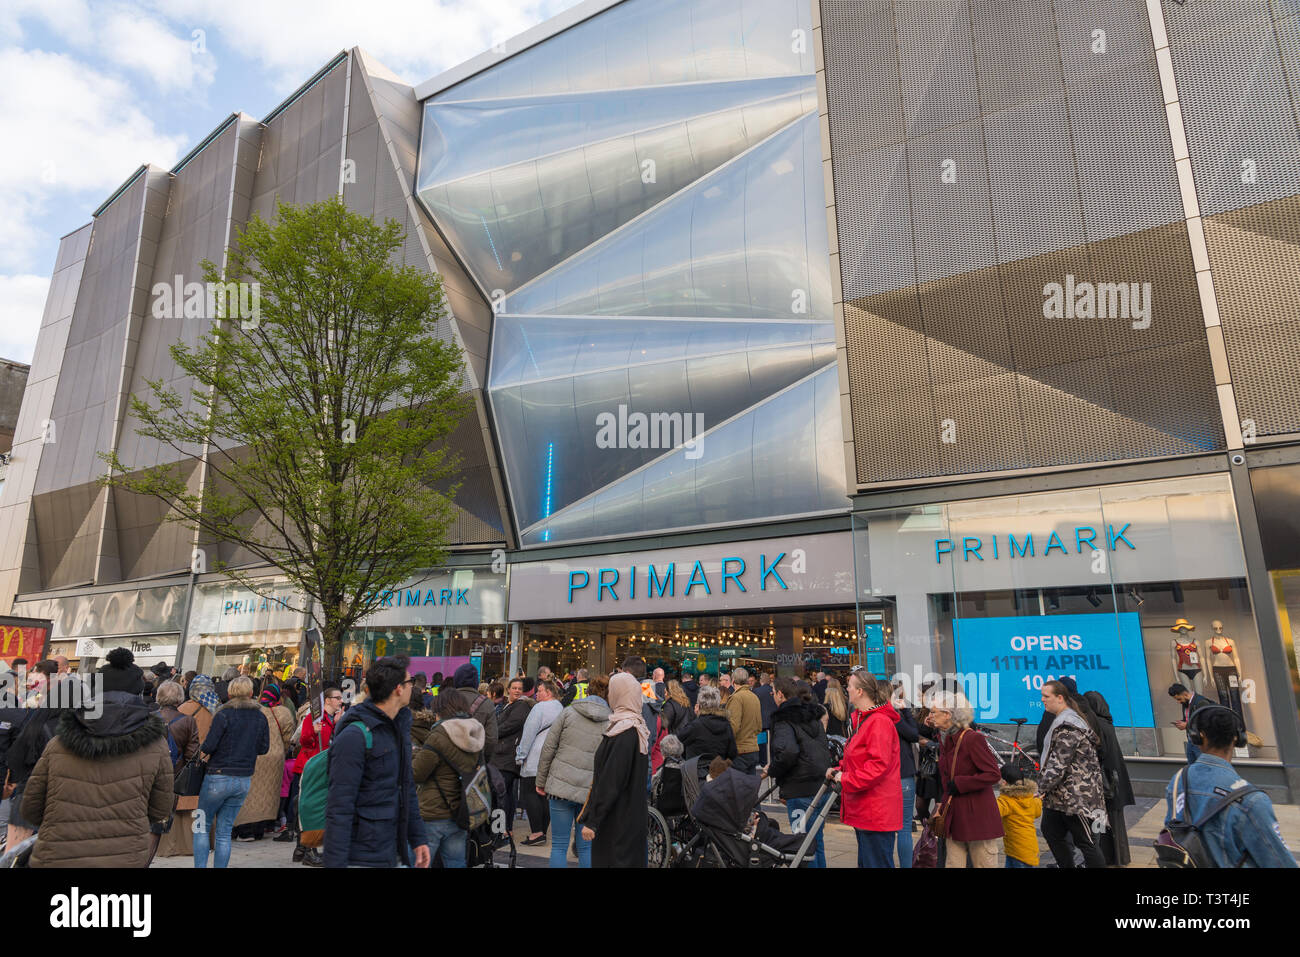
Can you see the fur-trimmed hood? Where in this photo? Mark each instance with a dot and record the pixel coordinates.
(1025, 789)
(465, 733)
(241, 703)
(125, 726)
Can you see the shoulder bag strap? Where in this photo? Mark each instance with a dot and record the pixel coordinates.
(955, 752)
(1222, 803)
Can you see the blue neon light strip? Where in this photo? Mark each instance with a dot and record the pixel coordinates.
(550, 469)
(490, 242)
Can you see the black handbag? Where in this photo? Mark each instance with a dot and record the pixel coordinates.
(189, 779)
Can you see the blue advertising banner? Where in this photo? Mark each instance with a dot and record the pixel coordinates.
(1101, 652)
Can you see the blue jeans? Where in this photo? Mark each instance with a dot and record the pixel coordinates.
(800, 810)
(447, 838)
(219, 803)
(905, 834)
(875, 848)
(563, 815)
(1013, 863)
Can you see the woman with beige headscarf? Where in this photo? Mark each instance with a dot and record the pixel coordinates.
(202, 706)
(616, 814)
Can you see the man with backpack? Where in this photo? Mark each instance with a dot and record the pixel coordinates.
(372, 815)
(444, 768)
(1234, 821)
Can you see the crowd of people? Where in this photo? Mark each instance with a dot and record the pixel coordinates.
(918, 783)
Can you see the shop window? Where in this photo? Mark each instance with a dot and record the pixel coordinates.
(1129, 589)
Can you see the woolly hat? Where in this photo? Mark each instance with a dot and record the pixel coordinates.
(122, 673)
(466, 677)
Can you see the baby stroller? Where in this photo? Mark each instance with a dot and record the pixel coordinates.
(482, 843)
(669, 823)
(732, 832)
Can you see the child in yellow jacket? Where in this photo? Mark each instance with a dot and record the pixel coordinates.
(1020, 806)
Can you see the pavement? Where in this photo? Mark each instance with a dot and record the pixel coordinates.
(1144, 822)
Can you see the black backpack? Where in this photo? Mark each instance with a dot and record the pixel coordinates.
(1181, 843)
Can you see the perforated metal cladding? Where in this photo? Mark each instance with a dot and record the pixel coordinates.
(1238, 70)
(980, 161)
(1255, 258)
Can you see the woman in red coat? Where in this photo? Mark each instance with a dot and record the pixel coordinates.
(972, 818)
(314, 739)
(871, 789)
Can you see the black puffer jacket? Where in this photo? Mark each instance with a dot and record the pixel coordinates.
(709, 734)
(510, 726)
(675, 716)
(799, 752)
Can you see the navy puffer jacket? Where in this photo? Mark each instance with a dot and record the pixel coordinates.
(372, 815)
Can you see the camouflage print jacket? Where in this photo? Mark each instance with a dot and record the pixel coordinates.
(1070, 781)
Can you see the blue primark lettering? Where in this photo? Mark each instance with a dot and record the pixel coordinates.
(1080, 538)
(444, 596)
(995, 546)
(1116, 537)
(1054, 541)
(1026, 549)
(734, 576)
(429, 598)
(698, 570)
(462, 596)
(586, 579)
(966, 549)
(763, 567)
(602, 584)
(654, 583)
(386, 600)
(412, 597)
(632, 583)
(940, 552)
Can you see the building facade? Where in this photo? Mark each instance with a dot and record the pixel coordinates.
(801, 334)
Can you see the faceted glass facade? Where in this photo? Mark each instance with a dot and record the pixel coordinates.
(651, 229)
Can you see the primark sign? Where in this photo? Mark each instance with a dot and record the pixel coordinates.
(767, 573)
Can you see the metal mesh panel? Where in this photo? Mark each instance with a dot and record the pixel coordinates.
(959, 361)
(1238, 70)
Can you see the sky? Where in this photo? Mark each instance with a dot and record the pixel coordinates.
(92, 89)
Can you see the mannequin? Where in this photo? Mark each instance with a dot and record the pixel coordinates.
(1225, 667)
(1189, 663)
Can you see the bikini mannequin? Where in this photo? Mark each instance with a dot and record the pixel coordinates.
(1185, 653)
(1225, 668)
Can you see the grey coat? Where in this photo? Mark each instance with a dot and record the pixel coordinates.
(568, 755)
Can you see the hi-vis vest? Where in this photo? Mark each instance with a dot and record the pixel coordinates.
(579, 690)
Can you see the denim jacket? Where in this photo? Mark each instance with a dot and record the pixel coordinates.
(1245, 831)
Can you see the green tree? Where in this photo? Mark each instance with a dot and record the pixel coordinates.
(320, 419)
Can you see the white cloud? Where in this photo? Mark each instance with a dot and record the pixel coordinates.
(69, 19)
(22, 302)
(139, 43)
(414, 38)
(76, 130)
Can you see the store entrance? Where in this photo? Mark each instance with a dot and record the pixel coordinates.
(783, 643)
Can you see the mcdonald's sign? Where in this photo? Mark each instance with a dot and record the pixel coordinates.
(24, 638)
